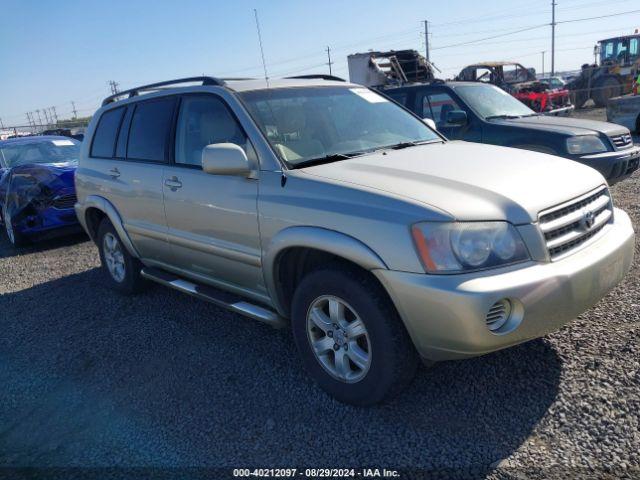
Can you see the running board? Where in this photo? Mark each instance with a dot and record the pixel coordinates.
(227, 300)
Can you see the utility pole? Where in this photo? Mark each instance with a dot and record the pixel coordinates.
(553, 37)
(73, 109)
(329, 57)
(543, 52)
(114, 86)
(426, 40)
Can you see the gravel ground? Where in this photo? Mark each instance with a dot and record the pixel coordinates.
(93, 379)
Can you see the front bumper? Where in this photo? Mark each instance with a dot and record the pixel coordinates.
(614, 166)
(46, 221)
(445, 314)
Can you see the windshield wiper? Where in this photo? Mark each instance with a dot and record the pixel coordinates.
(502, 117)
(334, 157)
(401, 145)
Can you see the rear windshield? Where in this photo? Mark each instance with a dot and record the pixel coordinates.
(307, 123)
(56, 150)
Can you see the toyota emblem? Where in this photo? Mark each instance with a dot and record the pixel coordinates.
(588, 219)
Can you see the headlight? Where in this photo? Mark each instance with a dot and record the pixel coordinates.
(467, 246)
(585, 144)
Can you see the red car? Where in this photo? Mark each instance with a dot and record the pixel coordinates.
(522, 84)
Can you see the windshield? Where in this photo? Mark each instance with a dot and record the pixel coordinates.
(56, 150)
(311, 123)
(490, 101)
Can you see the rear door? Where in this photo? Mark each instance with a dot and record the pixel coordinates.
(212, 219)
(131, 169)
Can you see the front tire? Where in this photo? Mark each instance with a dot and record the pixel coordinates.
(120, 269)
(350, 337)
(606, 88)
(15, 237)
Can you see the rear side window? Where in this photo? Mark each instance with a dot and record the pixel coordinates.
(104, 140)
(149, 132)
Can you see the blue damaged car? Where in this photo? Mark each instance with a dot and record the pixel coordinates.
(37, 193)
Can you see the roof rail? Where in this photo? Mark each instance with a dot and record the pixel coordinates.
(132, 92)
(317, 76)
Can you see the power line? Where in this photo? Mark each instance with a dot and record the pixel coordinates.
(599, 17)
(491, 37)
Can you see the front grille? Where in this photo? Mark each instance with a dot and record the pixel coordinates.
(622, 141)
(569, 225)
(64, 201)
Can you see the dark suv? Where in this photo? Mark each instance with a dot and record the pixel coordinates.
(482, 113)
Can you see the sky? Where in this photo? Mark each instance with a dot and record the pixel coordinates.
(57, 51)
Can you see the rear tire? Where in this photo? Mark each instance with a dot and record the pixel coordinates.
(121, 270)
(350, 337)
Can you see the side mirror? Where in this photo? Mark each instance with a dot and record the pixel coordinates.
(430, 123)
(456, 117)
(225, 159)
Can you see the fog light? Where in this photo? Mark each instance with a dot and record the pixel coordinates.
(498, 315)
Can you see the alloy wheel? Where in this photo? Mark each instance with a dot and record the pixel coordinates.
(339, 339)
(114, 257)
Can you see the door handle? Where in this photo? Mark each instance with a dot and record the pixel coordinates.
(173, 183)
(114, 172)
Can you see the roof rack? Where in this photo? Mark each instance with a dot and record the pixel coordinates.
(318, 77)
(132, 92)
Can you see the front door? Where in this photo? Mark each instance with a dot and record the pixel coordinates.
(436, 104)
(212, 219)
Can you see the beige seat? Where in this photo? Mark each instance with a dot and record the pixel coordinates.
(294, 139)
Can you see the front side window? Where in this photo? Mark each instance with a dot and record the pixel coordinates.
(607, 51)
(56, 150)
(633, 47)
(149, 132)
(441, 104)
(310, 123)
(204, 120)
(105, 137)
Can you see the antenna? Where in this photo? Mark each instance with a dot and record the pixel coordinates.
(264, 64)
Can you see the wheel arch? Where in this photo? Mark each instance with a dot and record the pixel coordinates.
(94, 209)
(296, 250)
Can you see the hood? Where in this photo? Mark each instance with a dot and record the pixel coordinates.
(55, 176)
(568, 126)
(470, 181)
(63, 172)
